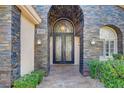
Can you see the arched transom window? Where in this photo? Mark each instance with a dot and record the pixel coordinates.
(63, 26)
(109, 37)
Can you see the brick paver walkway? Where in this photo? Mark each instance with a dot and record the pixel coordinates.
(68, 76)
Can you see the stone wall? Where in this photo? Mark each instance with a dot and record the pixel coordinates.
(15, 42)
(41, 51)
(9, 45)
(5, 46)
(94, 17)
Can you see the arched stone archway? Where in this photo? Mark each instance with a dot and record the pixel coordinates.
(71, 12)
(67, 12)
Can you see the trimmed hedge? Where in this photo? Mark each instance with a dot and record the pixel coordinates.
(29, 80)
(110, 72)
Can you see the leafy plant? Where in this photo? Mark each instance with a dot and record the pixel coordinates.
(29, 80)
(110, 72)
(93, 67)
(118, 56)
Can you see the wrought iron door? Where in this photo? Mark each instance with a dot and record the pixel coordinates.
(63, 43)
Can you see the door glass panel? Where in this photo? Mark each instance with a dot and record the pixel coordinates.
(68, 48)
(58, 48)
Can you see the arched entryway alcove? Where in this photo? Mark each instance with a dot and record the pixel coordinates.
(65, 35)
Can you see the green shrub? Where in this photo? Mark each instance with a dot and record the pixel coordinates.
(29, 80)
(118, 56)
(107, 74)
(93, 67)
(118, 65)
(110, 72)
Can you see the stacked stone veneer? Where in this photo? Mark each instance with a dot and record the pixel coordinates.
(5, 45)
(15, 42)
(41, 51)
(9, 45)
(94, 18)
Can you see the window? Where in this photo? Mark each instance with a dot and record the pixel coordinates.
(109, 37)
(109, 48)
(63, 26)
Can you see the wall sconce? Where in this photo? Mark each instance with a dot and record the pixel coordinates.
(39, 42)
(93, 42)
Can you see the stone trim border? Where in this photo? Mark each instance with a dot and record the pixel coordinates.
(29, 12)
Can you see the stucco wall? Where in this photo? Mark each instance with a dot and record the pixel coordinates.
(27, 46)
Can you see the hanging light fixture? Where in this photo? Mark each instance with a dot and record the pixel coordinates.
(62, 28)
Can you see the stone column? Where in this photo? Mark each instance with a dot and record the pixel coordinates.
(9, 45)
(41, 50)
(5, 46)
(15, 42)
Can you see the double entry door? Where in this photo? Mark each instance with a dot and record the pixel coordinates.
(63, 48)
